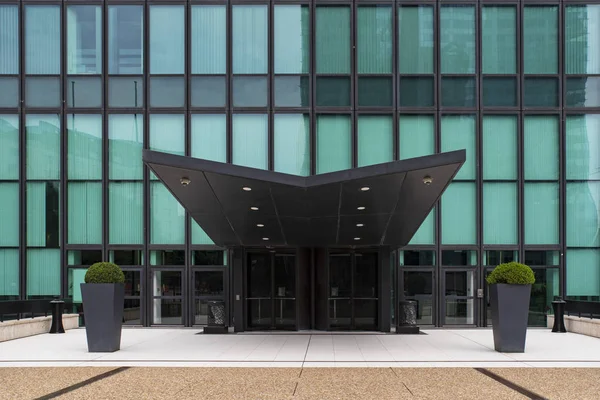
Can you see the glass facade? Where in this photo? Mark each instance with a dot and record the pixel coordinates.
(299, 88)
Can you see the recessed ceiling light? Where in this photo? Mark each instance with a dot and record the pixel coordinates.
(246, 188)
(254, 208)
(356, 238)
(359, 225)
(265, 238)
(365, 188)
(361, 208)
(260, 225)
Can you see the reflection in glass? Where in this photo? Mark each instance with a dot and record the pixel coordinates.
(457, 43)
(84, 39)
(582, 147)
(460, 283)
(84, 92)
(582, 92)
(83, 257)
(9, 40)
(374, 39)
(333, 40)
(497, 257)
(415, 39)
(460, 312)
(416, 257)
(292, 144)
(167, 257)
(291, 91)
(42, 91)
(208, 257)
(166, 283)
(167, 91)
(132, 312)
(208, 283)
(133, 283)
(543, 292)
(125, 91)
(126, 257)
(167, 39)
(291, 39)
(209, 137)
(418, 286)
(459, 257)
(499, 35)
(458, 92)
(250, 31)
(542, 257)
(209, 39)
(540, 39)
(167, 311)
(125, 39)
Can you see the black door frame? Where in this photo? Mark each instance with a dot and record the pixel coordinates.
(352, 253)
(272, 255)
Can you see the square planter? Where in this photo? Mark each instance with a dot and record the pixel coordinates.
(510, 310)
(103, 311)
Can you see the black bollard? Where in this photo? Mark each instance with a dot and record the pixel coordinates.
(559, 312)
(58, 306)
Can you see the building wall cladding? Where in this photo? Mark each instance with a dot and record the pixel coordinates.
(302, 88)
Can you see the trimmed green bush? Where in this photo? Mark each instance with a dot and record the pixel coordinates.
(104, 272)
(512, 273)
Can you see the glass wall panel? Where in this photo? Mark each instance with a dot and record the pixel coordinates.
(84, 146)
(374, 39)
(250, 36)
(415, 39)
(458, 132)
(541, 213)
(167, 216)
(457, 43)
(250, 140)
(583, 273)
(582, 91)
(125, 91)
(333, 48)
(582, 42)
(540, 147)
(583, 146)
(167, 133)
(9, 274)
(42, 39)
(209, 39)
(9, 91)
(426, 232)
(500, 147)
(9, 214)
(540, 39)
(375, 139)
(84, 39)
(167, 39)
(9, 41)
(43, 146)
(43, 214)
(500, 217)
(417, 136)
(499, 35)
(334, 143)
(292, 144)
(84, 213)
(499, 91)
(459, 213)
(9, 147)
(209, 137)
(199, 236)
(583, 205)
(43, 273)
(125, 142)
(126, 212)
(291, 39)
(125, 39)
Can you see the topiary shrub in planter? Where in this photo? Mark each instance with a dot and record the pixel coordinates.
(103, 295)
(510, 291)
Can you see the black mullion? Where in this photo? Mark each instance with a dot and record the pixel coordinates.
(63, 154)
(188, 304)
(272, 268)
(270, 87)
(104, 117)
(562, 197)
(22, 161)
(229, 86)
(146, 275)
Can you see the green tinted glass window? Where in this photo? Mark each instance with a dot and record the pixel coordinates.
(167, 133)
(583, 146)
(209, 137)
(84, 212)
(415, 39)
(9, 147)
(540, 39)
(541, 213)
(167, 216)
(500, 213)
(457, 39)
(374, 39)
(126, 212)
(583, 203)
(333, 40)
(375, 139)
(43, 202)
(426, 232)
(167, 39)
(43, 272)
(209, 39)
(582, 49)
(250, 140)
(334, 143)
(43, 146)
(499, 147)
(250, 32)
(84, 146)
(125, 139)
(417, 136)
(292, 144)
(458, 132)
(291, 39)
(583, 272)
(9, 274)
(499, 35)
(199, 236)
(459, 211)
(541, 147)
(9, 214)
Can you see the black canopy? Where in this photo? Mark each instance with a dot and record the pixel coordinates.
(241, 206)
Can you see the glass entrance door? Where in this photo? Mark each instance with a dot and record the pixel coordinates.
(271, 291)
(353, 291)
(209, 285)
